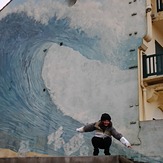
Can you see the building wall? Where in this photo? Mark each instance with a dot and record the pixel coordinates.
(152, 131)
(151, 110)
(62, 66)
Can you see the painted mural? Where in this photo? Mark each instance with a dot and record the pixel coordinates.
(62, 66)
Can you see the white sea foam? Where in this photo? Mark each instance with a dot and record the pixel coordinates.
(74, 144)
(56, 139)
(83, 88)
(24, 148)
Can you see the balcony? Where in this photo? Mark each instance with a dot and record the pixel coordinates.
(153, 70)
(152, 65)
(153, 78)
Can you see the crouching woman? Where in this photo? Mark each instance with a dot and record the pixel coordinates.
(104, 131)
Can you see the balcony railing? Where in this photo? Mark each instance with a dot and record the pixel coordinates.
(152, 65)
(159, 5)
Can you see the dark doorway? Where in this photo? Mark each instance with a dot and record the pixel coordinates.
(159, 58)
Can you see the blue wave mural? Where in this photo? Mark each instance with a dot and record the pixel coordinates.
(57, 64)
(27, 111)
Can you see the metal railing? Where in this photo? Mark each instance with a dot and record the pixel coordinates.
(152, 65)
(159, 5)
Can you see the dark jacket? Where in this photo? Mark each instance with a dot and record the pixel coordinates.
(101, 131)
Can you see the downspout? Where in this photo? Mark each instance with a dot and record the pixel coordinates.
(144, 103)
(148, 36)
(142, 114)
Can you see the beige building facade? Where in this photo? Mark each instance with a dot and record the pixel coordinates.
(151, 64)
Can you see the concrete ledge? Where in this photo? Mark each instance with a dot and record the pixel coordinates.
(82, 159)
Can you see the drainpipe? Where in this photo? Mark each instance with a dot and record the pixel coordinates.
(144, 94)
(144, 90)
(148, 36)
(144, 103)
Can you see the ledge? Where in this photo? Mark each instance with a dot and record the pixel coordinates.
(81, 159)
(153, 80)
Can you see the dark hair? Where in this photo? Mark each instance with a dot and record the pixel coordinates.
(105, 116)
